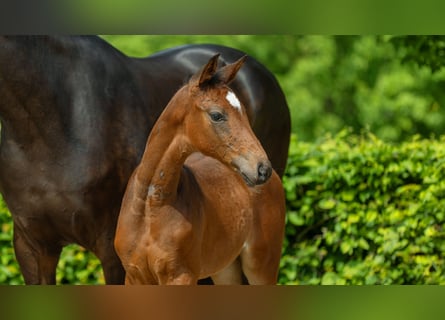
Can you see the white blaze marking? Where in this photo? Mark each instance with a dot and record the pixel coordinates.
(151, 190)
(233, 100)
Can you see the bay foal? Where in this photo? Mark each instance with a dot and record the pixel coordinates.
(204, 200)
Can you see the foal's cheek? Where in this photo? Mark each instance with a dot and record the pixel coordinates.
(222, 131)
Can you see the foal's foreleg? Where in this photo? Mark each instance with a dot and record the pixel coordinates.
(260, 258)
(180, 279)
(157, 268)
(231, 275)
(135, 276)
(260, 265)
(173, 272)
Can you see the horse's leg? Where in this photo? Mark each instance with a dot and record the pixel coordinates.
(38, 262)
(183, 278)
(231, 275)
(113, 270)
(173, 272)
(260, 258)
(114, 273)
(260, 265)
(135, 275)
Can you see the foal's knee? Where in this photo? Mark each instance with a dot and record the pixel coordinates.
(173, 272)
(182, 279)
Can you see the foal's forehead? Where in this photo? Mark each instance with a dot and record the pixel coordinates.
(233, 100)
(221, 93)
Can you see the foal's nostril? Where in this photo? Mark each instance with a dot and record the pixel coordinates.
(264, 172)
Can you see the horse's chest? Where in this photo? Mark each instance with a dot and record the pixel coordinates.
(227, 225)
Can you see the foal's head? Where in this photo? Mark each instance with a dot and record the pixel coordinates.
(216, 123)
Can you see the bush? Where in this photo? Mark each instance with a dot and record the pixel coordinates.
(9, 269)
(361, 211)
(360, 82)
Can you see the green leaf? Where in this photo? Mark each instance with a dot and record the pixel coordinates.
(348, 195)
(327, 204)
(295, 219)
(331, 278)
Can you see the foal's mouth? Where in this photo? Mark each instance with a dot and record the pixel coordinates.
(251, 182)
(247, 180)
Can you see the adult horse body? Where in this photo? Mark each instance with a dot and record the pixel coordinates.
(194, 206)
(75, 115)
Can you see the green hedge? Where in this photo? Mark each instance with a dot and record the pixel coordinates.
(361, 211)
(9, 270)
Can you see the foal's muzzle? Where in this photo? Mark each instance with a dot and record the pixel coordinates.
(253, 173)
(264, 172)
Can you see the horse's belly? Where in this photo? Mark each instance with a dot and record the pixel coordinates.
(61, 206)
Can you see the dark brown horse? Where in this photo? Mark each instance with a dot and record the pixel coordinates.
(75, 115)
(204, 200)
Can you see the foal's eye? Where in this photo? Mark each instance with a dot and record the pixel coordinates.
(216, 116)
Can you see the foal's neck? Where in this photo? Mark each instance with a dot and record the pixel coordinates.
(164, 156)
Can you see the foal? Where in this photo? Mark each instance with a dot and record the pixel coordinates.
(194, 206)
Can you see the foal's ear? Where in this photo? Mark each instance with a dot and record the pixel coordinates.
(207, 72)
(227, 73)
